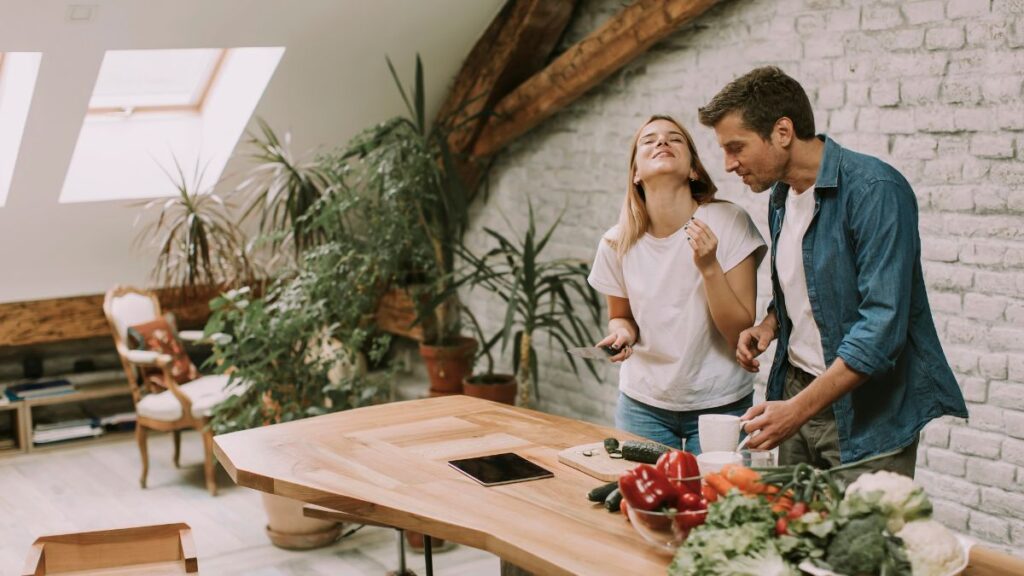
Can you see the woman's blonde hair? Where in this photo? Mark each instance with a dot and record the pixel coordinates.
(633, 219)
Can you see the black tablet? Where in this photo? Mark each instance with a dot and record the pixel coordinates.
(498, 469)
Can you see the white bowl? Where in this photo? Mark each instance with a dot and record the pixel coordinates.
(711, 462)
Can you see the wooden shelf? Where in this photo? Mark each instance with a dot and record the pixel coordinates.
(106, 437)
(89, 386)
(90, 392)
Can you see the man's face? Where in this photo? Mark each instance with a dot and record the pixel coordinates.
(760, 163)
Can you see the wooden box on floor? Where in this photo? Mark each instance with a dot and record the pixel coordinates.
(150, 550)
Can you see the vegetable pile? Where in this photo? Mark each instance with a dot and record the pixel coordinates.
(767, 522)
(770, 521)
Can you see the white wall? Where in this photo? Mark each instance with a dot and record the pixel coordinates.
(332, 82)
(934, 88)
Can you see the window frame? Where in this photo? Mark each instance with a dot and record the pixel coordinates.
(192, 108)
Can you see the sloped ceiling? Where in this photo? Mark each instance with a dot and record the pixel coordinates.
(332, 82)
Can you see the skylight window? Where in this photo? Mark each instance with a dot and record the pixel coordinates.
(151, 109)
(155, 80)
(18, 71)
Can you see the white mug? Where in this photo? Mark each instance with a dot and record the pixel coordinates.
(718, 432)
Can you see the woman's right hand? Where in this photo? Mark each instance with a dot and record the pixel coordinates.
(618, 338)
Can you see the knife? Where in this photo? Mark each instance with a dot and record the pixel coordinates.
(593, 352)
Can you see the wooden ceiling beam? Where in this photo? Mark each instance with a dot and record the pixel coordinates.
(626, 36)
(516, 44)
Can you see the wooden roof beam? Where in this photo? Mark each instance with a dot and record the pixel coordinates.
(516, 44)
(626, 36)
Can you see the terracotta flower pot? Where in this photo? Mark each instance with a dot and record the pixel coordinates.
(496, 387)
(447, 366)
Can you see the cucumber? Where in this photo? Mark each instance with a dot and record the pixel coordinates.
(614, 501)
(646, 452)
(611, 445)
(601, 492)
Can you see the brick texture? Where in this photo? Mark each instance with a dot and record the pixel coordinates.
(931, 86)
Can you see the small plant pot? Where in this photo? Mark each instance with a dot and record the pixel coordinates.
(448, 366)
(495, 387)
(415, 542)
(287, 528)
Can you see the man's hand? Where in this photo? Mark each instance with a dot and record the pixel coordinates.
(753, 341)
(774, 422)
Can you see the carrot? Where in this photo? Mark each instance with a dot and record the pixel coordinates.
(709, 493)
(782, 504)
(719, 483)
(747, 480)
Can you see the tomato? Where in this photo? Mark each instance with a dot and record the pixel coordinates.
(689, 501)
(781, 527)
(798, 510)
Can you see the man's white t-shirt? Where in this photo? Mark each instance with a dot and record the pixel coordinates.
(681, 362)
(805, 350)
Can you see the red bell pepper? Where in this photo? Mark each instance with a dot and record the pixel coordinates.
(678, 464)
(645, 488)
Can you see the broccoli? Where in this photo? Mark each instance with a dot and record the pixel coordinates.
(859, 547)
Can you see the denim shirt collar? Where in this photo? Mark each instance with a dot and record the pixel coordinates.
(828, 172)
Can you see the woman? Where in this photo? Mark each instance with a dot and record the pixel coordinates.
(680, 274)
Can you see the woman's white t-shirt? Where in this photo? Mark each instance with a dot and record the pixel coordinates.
(681, 361)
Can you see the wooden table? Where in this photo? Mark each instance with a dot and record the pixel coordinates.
(388, 464)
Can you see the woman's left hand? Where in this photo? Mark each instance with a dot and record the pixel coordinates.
(704, 244)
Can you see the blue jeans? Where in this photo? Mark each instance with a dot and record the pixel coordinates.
(669, 427)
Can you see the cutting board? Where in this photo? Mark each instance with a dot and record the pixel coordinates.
(598, 464)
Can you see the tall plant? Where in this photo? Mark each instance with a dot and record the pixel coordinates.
(299, 346)
(409, 166)
(197, 240)
(546, 296)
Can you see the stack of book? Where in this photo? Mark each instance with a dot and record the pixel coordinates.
(31, 390)
(66, 430)
(119, 421)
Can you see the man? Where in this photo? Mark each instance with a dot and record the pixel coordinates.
(858, 370)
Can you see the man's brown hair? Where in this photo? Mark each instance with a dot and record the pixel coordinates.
(762, 96)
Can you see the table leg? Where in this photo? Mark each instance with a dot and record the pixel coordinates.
(428, 554)
(402, 570)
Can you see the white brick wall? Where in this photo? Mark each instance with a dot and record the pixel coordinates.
(931, 86)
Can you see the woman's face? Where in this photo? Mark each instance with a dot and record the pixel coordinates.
(661, 150)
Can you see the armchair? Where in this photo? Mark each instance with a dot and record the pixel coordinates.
(161, 402)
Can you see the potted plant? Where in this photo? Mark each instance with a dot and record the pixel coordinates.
(304, 346)
(200, 249)
(547, 296)
(411, 169)
(282, 191)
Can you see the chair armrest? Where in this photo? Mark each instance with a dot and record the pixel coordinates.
(147, 358)
(191, 335)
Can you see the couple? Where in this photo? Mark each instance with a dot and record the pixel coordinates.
(858, 369)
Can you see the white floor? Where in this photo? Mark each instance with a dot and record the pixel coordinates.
(94, 486)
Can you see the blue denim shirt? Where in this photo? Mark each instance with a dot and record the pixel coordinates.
(862, 259)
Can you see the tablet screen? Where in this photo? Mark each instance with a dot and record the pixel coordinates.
(500, 469)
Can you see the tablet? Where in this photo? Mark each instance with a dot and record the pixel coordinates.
(498, 469)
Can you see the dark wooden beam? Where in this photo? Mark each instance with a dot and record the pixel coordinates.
(606, 50)
(516, 45)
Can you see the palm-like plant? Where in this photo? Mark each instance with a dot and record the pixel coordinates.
(198, 243)
(283, 189)
(550, 296)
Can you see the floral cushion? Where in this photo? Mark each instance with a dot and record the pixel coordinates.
(158, 336)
